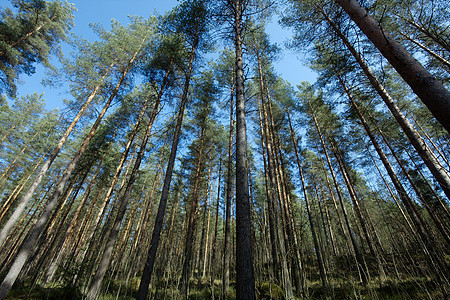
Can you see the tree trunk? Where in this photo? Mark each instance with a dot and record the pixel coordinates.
(441, 175)
(275, 197)
(323, 276)
(192, 220)
(226, 246)
(429, 89)
(26, 198)
(359, 259)
(212, 270)
(272, 234)
(97, 280)
(151, 256)
(30, 243)
(245, 278)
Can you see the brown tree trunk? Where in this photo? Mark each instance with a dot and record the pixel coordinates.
(276, 199)
(323, 276)
(30, 242)
(272, 234)
(212, 270)
(226, 246)
(94, 288)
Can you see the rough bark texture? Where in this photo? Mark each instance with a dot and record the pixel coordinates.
(245, 278)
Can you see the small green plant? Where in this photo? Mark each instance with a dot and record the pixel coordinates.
(270, 291)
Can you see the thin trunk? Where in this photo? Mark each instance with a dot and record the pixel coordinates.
(68, 234)
(440, 40)
(323, 276)
(226, 249)
(203, 252)
(216, 222)
(428, 50)
(192, 220)
(286, 280)
(17, 156)
(359, 259)
(428, 247)
(270, 214)
(358, 209)
(19, 187)
(29, 244)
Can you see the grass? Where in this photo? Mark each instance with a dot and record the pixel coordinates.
(392, 289)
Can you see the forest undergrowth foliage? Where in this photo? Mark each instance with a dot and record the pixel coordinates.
(183, 166)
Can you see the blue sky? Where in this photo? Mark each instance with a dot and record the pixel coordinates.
(289, 66)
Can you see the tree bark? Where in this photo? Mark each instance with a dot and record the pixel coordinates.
(359, 259)
(95, 286)
(245, 278)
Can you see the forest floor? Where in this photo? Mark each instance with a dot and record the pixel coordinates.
(413, 288)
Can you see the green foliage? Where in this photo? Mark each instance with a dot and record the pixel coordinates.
(29, 36)
(270, 291)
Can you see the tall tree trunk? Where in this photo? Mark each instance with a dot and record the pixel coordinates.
(358, 209)
(397, 184)
(151, 256)
(26, 198)
(275, 197)
(429, 51)
(5, 171)
(19, 187)
(216, 223)
(192, 220)
(429, 89)
(245, 277)
(226, 246)
(97, 280)
(359, 259)
(68, 234)
(435, 263)
(30, 243)
(272, 234)
(323, 276)
(203, 251)
(441, 175)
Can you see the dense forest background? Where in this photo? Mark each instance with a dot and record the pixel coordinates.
(184, 167)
